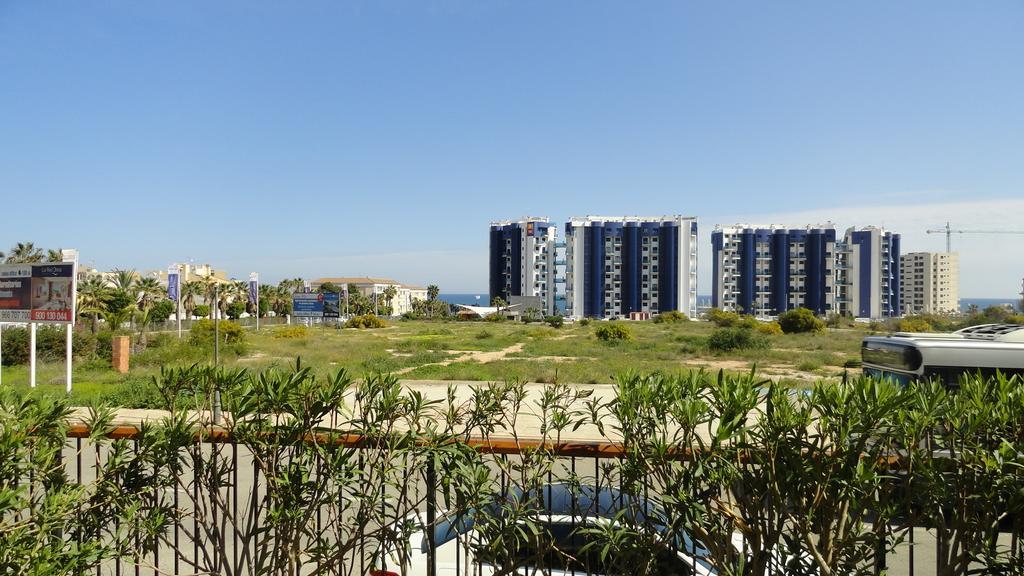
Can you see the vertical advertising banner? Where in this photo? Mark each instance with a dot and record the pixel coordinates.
(172, 283)
(254, 282)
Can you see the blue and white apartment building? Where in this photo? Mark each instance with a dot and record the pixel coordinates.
(766, 270)
(522, 262)
(868, 274)
(622, 266)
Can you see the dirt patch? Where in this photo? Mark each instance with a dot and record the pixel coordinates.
(261, 356)
(470, 355)
(773, 372)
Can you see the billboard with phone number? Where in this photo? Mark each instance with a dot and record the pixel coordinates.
(307, 305)
(37, 293)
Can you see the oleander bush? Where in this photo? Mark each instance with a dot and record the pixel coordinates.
(803, 479)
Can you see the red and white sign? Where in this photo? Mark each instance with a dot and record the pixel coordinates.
(38, 293)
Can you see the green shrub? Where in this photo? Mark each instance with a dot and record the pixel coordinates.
(134, 393)
(555, 321)
(365, 321)
(670, 317)
(721, 318)
(769, 328)
(800, 320)
(50, 341)
(236, 309)
(483, 334)
(613, 331)
(735, 338)
(161, 311)
(808, 366)
(495, 317)
(290, 332)
(584, 322)
(202, 332)
(201, 311)
(914, 324)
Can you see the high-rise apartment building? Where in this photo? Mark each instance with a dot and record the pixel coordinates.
(618, 266)
(522, 263)
(767, 270)
(868, 273)
(930, 283)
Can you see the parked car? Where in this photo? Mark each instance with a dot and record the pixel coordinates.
(569, 519)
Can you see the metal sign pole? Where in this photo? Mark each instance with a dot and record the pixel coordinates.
(177, 290)
(67, 360)
(216, 324)
(70, 256)
(32, 354)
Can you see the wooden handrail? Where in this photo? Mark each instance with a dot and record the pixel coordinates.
(503, 445)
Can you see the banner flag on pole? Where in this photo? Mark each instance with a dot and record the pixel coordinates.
(254, 282)
(172, 283)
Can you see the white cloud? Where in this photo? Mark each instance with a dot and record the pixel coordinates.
(991, 265)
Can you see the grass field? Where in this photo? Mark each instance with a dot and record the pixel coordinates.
(481, 351)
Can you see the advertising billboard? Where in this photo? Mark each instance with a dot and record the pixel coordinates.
(38, 293)
(307, 305)
(332, 305)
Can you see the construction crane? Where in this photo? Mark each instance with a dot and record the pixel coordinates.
(949, 232)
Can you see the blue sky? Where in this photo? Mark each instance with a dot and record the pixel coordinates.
(344, 138)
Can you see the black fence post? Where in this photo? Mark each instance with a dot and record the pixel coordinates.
(431, 517)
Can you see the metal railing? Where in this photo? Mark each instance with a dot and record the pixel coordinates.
(220, 528)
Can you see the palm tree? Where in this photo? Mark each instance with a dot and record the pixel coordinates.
(115, 318)
(124, 280)
(432, 292)
(291, 285)
(92, 298)
(55, 255)
(389, 295)
(189, 291)
(149, 292)
(143, 319)
(277, 297)
(24, 253)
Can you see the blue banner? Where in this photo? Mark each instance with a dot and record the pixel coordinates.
(172, 287)
(253, 287)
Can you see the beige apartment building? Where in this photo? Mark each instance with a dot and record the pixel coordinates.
(930, 283)
(402, 302)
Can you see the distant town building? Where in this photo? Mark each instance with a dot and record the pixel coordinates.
(617, 266)
(868, 273)
(522, 262)
(767, 270)
(401, 303)
(191, 273)
(930, 283)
